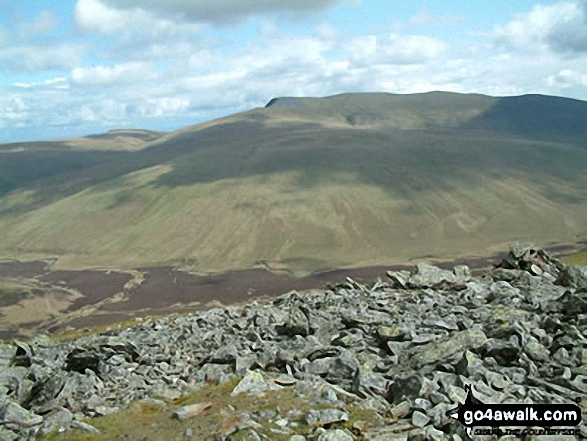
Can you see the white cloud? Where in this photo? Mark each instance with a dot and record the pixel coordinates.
(561, 27)
(221, 11)
(567, 78)
(13, 110)
(393, 49)
(95, 15)
(119, 74)
(45, 23)
(424, 18)
(58, 83)
(152, 69)
(42, 57)
(4, 37)
(86, 114)
(166, 106)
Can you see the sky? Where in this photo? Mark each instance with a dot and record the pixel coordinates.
(78, 67)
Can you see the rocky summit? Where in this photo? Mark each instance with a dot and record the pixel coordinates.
(403, 350)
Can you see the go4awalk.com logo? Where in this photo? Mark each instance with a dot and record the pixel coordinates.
(518, 419)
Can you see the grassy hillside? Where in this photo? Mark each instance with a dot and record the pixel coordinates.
(308, 184)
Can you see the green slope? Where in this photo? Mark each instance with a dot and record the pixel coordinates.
(309, 184)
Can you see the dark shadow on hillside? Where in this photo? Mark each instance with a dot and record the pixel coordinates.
(40, 145)
(401, 161)
(26, 169)
(537, 117)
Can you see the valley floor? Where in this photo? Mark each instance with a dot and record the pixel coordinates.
(33, 296)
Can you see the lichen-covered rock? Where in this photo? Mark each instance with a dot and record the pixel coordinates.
(323, 417)
(336, 435)
(254, 383)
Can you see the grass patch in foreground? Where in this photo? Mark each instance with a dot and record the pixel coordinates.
(74, 334)
(146, 421)
(71, 334)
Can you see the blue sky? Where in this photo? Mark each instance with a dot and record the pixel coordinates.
(76, 67)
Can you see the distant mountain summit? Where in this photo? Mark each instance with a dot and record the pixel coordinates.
(533, 116)
(305, 184)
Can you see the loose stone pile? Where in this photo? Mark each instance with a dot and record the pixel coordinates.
(404, 350)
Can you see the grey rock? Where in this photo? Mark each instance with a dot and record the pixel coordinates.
(406, 385)
(254, 383)
(440, 414)
(85, 427)
(325, 416)
(420, 419)
(8, 435)
(515, 335)
(456, 394)
(573, 277)
(434, 434)
(336, 435)
(579, 383)
(418, 434)
(390, 333)
(444, 349)
(366, 383)
(217, 374)
(297, 323)
(399, 278)
(427, 276)
(376, 404)
(422, 404)
(23, 354)
(245, 363)
(462, 272)
(536, 351)
(58, 421)
(400, 410)
(13, 413)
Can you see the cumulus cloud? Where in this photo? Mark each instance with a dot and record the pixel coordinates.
(4, 36)
(567, 78)
(95, 15)
(571, 34)
(45, 23)
(155, 67)
(13, 110)
(42, 57)
(393, 49)
(424, 18)
(58, 83)
(561, 27)
(119, 74)
(221, 11)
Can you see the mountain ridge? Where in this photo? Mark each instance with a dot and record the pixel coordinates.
(306, 188)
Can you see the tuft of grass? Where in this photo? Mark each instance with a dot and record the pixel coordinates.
(74, 334)
(144, 421)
